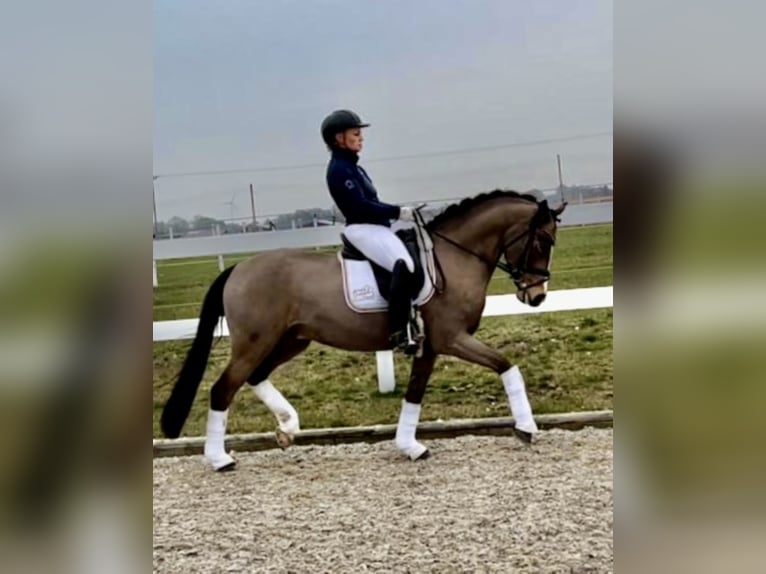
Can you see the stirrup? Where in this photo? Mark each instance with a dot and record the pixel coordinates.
(412, 345)
(403, 341)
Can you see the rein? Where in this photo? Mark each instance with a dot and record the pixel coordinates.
(516, 271)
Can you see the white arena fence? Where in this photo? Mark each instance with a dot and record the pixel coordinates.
(497, 305)
(325, 236)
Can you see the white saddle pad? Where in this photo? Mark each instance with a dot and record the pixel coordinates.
(361, 290)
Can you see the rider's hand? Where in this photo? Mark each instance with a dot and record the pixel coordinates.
(406, 214)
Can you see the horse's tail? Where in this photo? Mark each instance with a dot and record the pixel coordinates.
(182, 396)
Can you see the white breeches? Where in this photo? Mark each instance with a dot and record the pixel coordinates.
(379, 244)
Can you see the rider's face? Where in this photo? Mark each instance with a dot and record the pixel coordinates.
(351, 139)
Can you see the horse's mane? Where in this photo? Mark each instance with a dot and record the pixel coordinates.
(459, 209)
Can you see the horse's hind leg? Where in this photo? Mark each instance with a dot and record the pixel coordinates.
(245, 357)
(285, 413)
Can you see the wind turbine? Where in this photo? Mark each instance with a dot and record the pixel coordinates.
(230, 203)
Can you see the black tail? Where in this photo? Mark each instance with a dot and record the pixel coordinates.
(181, 398)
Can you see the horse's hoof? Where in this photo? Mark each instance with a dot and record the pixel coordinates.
(414, 452)
(284, 440)
(426, 454)
(221, 462)
(523, 436)
(227, 467)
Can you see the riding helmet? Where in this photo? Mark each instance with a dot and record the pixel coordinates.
(340, 121)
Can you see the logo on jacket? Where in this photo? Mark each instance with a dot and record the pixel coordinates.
(349, 184)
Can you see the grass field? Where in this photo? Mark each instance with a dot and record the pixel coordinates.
(566, 357)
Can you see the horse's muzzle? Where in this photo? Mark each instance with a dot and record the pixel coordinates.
(533, 301)
(537, 299)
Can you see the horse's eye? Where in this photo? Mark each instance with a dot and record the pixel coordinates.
(546, 239)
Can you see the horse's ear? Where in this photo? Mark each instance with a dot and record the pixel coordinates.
(558, 210)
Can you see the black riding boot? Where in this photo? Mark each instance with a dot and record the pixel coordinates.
(399, 307)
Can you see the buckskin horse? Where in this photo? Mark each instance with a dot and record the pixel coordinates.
(277, 302)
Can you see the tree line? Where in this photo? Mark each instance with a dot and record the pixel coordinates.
(205, 225)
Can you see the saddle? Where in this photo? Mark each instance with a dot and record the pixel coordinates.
(366, 285)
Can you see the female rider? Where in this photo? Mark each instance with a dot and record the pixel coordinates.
(368, 220)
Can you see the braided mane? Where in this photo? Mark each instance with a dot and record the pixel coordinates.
(457, 210)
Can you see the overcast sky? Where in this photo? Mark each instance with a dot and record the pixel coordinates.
(245, 84)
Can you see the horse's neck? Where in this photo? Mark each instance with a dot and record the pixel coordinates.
(485, 231)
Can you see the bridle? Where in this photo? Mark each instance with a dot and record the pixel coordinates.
(521, 267)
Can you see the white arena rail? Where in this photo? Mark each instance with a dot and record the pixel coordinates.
(325, 236)
(497, 305)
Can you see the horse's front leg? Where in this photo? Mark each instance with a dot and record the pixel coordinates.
(408, 419)
(466, 347)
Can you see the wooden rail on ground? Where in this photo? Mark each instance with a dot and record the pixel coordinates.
(377, 433)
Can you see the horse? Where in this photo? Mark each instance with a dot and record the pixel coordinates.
(279, 301)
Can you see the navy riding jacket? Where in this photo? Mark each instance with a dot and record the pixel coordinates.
(354, 193)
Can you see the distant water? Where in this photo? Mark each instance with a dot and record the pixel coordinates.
(587, 213)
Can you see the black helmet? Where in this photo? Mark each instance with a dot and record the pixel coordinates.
(339, 121)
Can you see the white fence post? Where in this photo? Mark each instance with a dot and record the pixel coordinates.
(221, 265)
(386, 374)
(154, 273)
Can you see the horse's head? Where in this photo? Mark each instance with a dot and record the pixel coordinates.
(528, 255)
(506, 224)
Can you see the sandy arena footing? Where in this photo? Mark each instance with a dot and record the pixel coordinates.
(479, 504)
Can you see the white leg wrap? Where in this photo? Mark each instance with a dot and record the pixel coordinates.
(517, 398)
(405, 431)
(286, 415)
(215, 451)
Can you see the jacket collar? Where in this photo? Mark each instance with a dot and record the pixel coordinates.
(348, 155)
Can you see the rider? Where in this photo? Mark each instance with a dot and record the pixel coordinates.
(368, 220)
